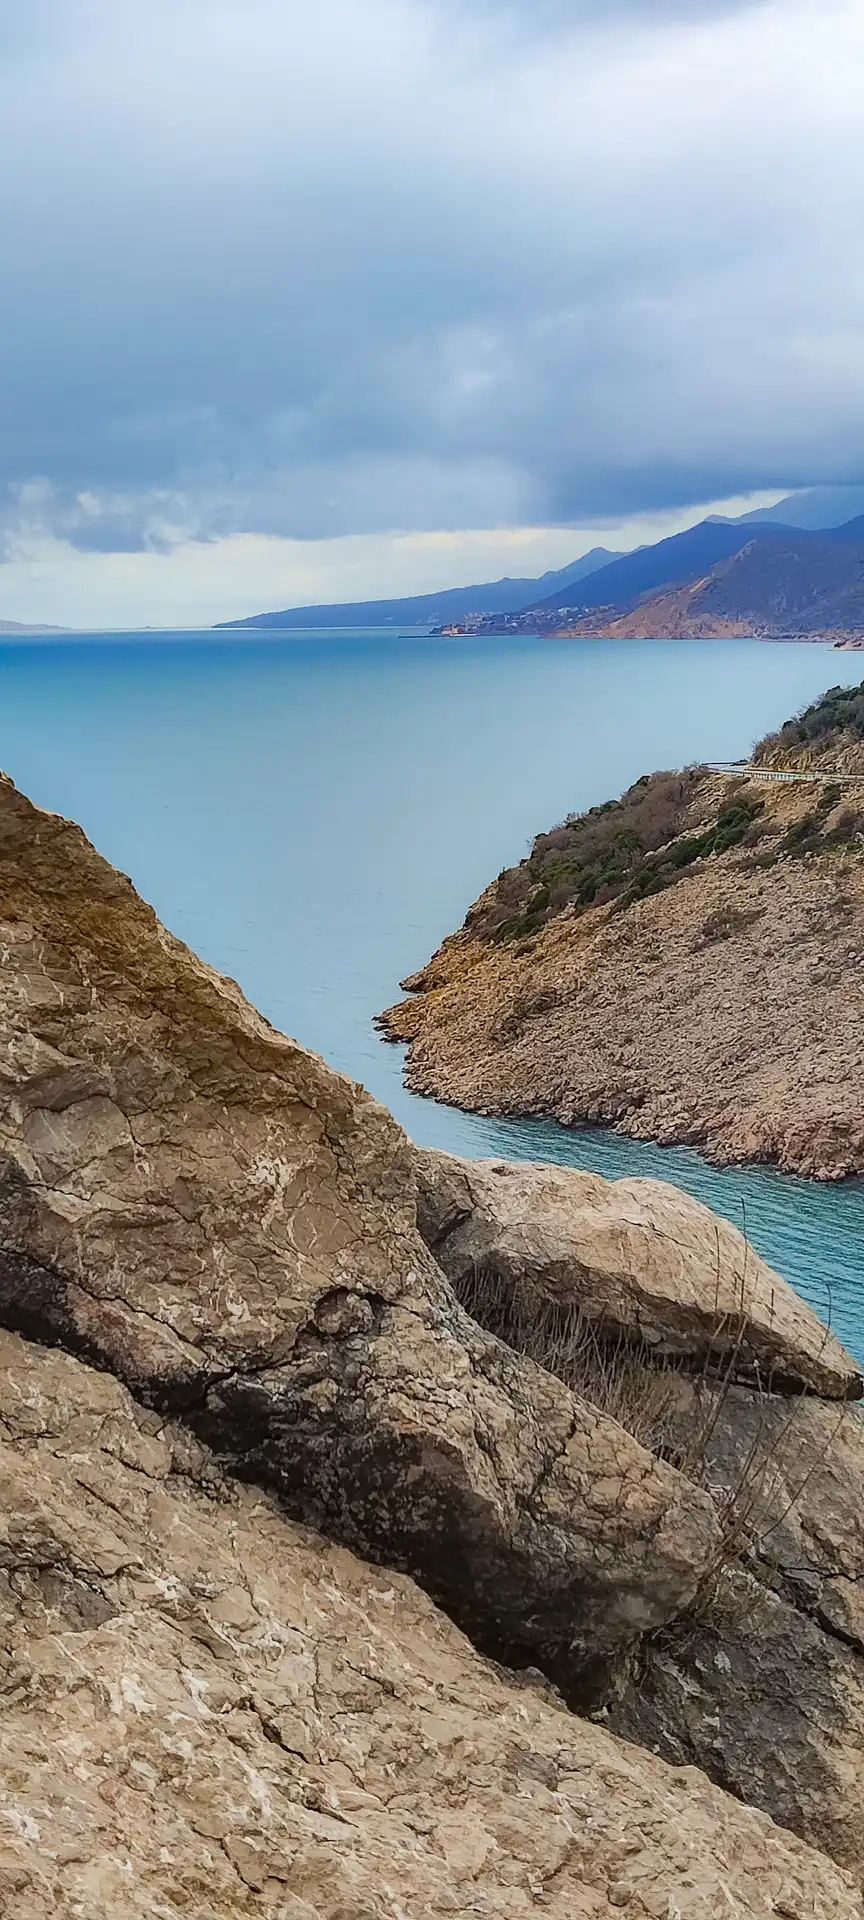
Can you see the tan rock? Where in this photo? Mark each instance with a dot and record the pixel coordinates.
(205, 1209)
(206, 1710)
(762, 1685)
(640, 1260)
(723, 1013)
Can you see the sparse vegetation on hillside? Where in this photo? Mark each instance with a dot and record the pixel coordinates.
(839, 711)
(626, 849)
(622, 850)
(592, 857)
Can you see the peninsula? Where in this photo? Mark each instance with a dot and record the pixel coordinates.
(683, 963)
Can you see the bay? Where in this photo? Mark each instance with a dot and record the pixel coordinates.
(313, 813)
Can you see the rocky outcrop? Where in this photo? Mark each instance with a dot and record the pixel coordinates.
(636, 1295)
(765, 1687)
(205, 1709)
(198, 1205)
(703, 991)
(640, 1260)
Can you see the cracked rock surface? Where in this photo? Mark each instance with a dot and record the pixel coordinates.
(767, 1689)
(200, 1206)
(763, 1684)
(208, 1711)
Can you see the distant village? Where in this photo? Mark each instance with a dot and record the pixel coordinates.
(533, 620)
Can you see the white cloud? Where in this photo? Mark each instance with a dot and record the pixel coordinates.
(194, 584)
(385, 265)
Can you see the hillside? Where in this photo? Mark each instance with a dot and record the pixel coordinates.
(808, 585)
(719, 578)
(673, 562)
(816, 507)
(682, 963)
(18, 626)
(494, 596)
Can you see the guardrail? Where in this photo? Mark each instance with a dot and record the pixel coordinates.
(744, 769)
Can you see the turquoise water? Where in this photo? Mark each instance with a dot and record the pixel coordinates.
(314, 813)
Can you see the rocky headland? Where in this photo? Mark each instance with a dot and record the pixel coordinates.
(384, 1535)
(683, 964)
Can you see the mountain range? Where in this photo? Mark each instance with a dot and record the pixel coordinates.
(789, 568)
(781, 581)
(421, 609)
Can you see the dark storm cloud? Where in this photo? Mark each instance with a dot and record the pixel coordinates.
(385, 264)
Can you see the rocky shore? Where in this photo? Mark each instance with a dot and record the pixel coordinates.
(684, 964)
(383, 1534)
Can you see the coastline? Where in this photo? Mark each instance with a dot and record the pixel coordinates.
(711, 1152)
(710, 998)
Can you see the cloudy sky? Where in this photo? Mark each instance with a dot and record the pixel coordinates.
(314, 301)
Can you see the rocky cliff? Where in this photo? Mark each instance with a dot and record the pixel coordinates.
(682, 964)
(230, 1316)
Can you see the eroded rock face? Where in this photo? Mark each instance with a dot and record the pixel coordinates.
(200, 1206)
(771, 1705)
(766, 1685)
(723, 1014)
(206, 1710)
(639, 1259)
(762, 1683)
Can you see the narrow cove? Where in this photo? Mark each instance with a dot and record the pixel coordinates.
(313, 814)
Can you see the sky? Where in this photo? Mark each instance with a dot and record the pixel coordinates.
(376, 296)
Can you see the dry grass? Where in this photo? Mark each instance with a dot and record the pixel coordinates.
(618, 1376)
(642, 1390)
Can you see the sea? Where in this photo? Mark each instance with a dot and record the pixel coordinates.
(312, 812)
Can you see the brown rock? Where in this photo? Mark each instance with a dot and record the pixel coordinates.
(794, 1470)
(203, 1208)
(640, 1260)
(206, 1710)
(766, 1702)
(765, 1686)
(724, 1012)
(762, 1685)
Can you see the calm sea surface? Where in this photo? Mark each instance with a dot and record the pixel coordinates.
(314, 813)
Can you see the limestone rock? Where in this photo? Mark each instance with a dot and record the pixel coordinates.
(765, 1686)
(640, 1260)
(202, 1207)
(795, 1469)
(207, 1710)
(756, 1693)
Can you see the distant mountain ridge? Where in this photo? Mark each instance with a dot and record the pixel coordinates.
(19, 626)
(670, 563)
(686, 582)
(419, 609)
(798, 582)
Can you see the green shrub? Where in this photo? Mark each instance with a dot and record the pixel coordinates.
(840, 710)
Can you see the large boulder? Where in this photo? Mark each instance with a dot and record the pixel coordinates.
(206, 1710)
(639, 1261)
(669, 1317)
(200, 1206)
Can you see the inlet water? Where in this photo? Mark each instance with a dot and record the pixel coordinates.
(314, 813)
